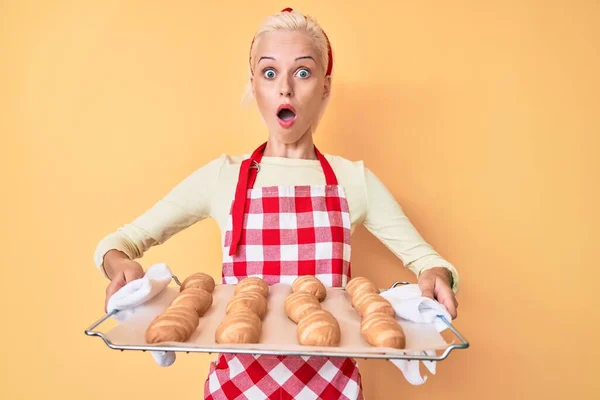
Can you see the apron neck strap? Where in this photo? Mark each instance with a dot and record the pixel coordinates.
(247, 177)
(256, 158)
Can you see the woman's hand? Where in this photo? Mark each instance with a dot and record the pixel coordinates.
(435, 283)
(121, 270)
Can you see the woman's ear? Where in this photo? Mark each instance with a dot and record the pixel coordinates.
(327, 87)
(252, 85)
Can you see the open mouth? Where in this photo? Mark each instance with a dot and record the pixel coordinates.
(286, 115)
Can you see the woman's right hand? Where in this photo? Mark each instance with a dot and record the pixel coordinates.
(121, 270)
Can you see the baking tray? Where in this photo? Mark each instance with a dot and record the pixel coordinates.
(128, 335)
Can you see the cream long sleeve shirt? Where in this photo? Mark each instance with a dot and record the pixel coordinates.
(209, 191)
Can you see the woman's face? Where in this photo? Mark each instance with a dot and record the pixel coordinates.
(287, 74)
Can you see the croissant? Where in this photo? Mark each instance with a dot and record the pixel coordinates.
(239, 327)
(300, 304)
(367, 302)
(359, 285)
(253, 284)
(199, 280)
(252, 301)
(175, 324)
(381, 330)
(196, 298)
(310, 284)
(319, 328)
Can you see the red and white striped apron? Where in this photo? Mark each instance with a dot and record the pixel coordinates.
(288, 231)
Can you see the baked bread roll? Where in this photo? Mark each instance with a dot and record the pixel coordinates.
(319, 328)
(381, 330)
(198, 280)
(360, 284)
(175, 324)
(252, 301)
(300, 304)
(239, 327)
(310, 284)
(253, 284)
(366, 303)
(196, 298)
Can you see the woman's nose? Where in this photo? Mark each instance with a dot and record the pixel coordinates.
(286, 89)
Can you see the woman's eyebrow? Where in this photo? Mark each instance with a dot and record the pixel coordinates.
(266, 58)
(298, 58)
(306, 57)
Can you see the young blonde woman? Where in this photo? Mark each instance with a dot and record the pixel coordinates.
(284, 210)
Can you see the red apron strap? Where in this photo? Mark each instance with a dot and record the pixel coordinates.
(246, 179)
(255, 157)
(239, 204)
(330, 177)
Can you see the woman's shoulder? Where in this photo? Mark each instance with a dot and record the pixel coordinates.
(343, 162)
(349, 172)
(215, 163)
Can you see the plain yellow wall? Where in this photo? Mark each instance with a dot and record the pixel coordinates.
(481, 117)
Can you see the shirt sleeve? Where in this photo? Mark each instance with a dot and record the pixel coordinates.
(186, 204)
(387, 221)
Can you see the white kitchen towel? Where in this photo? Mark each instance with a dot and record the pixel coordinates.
(411, 368)
(410, 304)
(138, 292)
(163, 358)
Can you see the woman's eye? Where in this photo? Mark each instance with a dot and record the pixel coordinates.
(269, 74)
(303, 73)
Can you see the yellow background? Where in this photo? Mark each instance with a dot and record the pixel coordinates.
(481, 117)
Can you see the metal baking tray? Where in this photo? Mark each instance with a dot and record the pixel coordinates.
(397, 355)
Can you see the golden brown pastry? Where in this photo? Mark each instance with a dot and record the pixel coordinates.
(300, 304)
(253, 284)
(310, 284)
(381, 330)
(196, 298)
(357, 297)
(252, 301)
(175, 324)
(239, 327)
(360, 284)
(319, 328)
(367, 302)
(199, 280)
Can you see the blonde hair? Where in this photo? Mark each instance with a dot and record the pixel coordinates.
(289, 20)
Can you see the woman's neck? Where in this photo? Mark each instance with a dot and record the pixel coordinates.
(302, 149)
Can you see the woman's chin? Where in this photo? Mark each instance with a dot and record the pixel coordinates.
(289, 136)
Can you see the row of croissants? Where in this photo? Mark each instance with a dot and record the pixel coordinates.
(247, 308)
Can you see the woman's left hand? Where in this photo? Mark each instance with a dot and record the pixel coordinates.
(435, 284)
